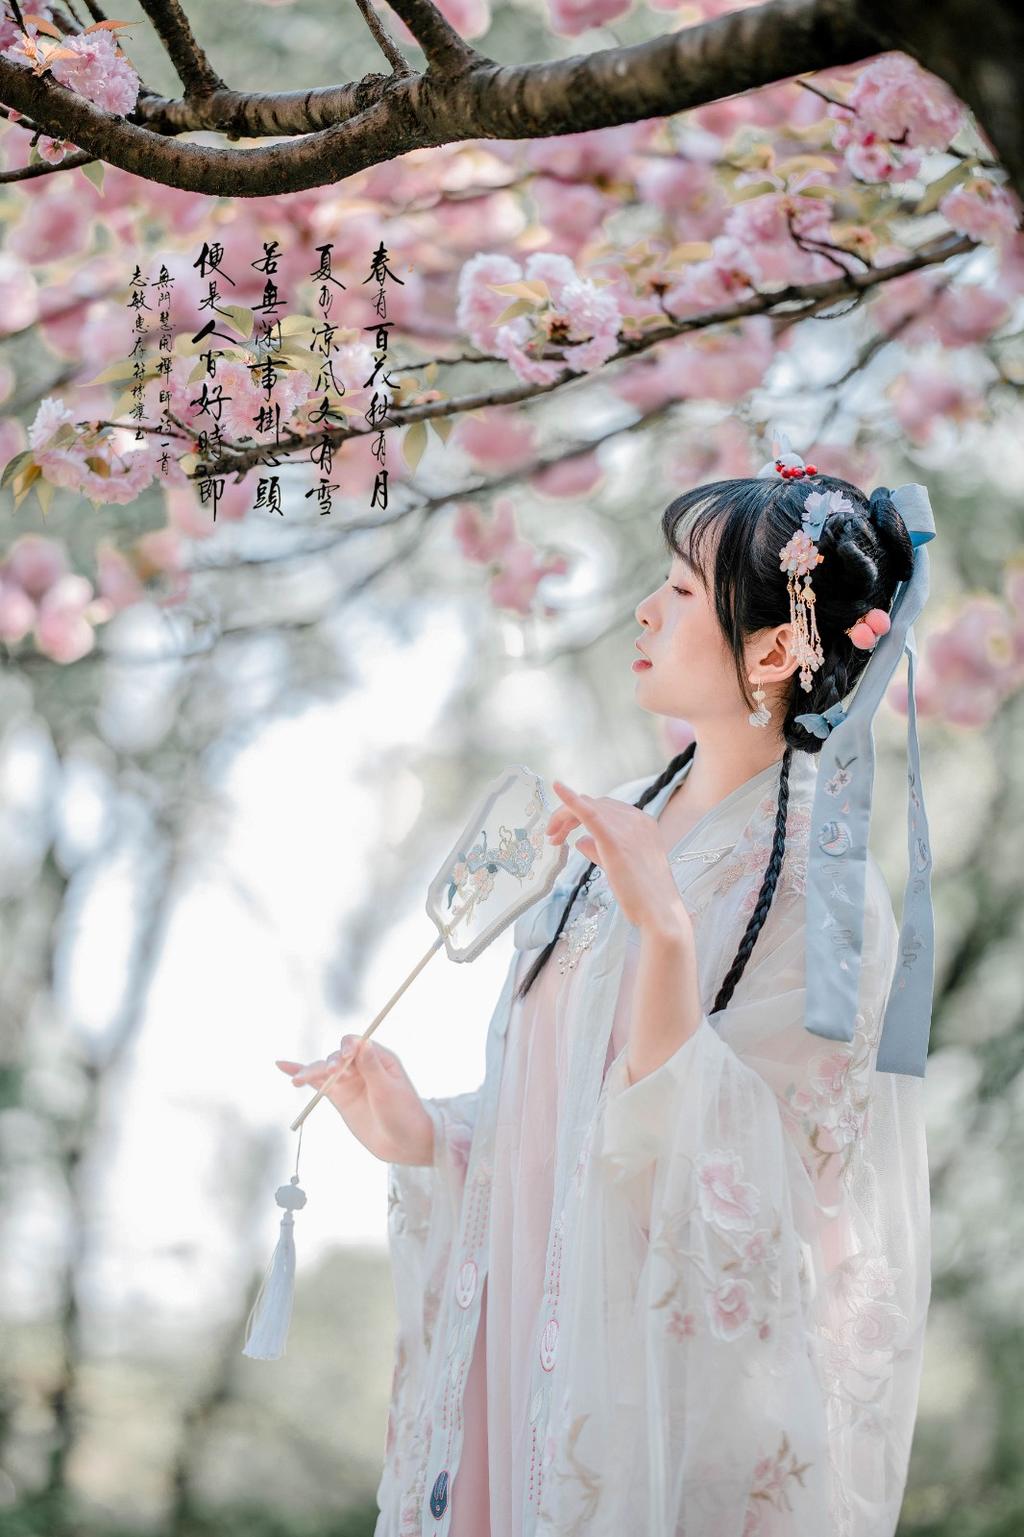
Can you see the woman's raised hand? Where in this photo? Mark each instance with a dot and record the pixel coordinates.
(375, 1097)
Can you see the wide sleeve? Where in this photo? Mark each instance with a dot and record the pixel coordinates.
(753, 1274)
(424, 1208)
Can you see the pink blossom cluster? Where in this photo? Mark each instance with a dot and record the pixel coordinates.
(41, 595)
(97, 470)
(98, 71)
(973, 663)
(516, 567)
(243, 397)
(11, 33)
(470, 18)
(983, 210)
(894, 111)
(928, 391)
(720, 365)
(580, 318)
(571, 17)
(923, 308)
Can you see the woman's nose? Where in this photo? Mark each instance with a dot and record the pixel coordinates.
(640, 614)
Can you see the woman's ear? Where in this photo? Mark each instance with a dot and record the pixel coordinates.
(772, 657)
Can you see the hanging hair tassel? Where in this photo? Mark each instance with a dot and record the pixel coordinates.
(267, 1326)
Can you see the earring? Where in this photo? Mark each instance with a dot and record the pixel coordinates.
(762, 715)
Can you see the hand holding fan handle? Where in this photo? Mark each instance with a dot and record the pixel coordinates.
(325, 1086)
(501, 866)
(371, 1027)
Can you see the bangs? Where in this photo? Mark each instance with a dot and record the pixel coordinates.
(694, 524)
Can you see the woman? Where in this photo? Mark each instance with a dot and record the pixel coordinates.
(666, 1272)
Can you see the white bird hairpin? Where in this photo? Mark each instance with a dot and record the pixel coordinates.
(500, 864)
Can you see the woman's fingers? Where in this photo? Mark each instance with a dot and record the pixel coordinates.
(560, 824)
(564, 818)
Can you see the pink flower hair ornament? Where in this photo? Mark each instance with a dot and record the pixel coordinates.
(799, 556)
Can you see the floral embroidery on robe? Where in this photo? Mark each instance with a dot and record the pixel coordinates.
(743, 1242)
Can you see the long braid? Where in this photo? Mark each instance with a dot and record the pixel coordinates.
(764, 901)
(648, 794)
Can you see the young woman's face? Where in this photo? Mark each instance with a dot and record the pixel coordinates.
(693, 671)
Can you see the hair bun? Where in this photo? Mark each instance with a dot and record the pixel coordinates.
(879, 503)
(885, 515)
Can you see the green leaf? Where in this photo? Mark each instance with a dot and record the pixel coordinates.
(413, 444)
(44, 491)
(442, 425)
(94, 171)
(519, 307)
(936, 190)
(13, 466)
(114, 373)
(241, 317)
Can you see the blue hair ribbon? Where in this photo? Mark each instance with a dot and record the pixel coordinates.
(837, 857)
(841, 814)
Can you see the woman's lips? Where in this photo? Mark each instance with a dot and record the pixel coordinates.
(641, 664)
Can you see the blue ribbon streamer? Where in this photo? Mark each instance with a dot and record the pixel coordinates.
(840, 821)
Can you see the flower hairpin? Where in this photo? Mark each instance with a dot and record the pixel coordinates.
(798, 557)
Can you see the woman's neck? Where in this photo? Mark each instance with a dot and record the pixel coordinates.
(720, 765)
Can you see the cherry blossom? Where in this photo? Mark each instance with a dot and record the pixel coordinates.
(896, 98)
(497, 439)
(926, 392)
(571, 17)
(35, 563)
(17, 610)
(981, 209)
(483, 540)
(99, 72)
(579, 317)
(62, 629)
(569, 477)
(515, 584)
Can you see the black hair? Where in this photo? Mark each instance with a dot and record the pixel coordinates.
(868, 552)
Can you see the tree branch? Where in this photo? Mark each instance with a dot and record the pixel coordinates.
(171, 25)
(976, 49)
(348, 128)
(46, 168)
(810, 298)
(445, 51)
(388, 47)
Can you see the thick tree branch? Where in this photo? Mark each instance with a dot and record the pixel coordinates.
(349, 128)
(196, 73)
(977, 49)
(388, 47)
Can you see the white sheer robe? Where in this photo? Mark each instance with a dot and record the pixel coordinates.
(731, 1346)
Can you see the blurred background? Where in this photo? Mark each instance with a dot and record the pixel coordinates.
(221, 807)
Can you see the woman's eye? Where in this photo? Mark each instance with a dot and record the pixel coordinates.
(682, 591)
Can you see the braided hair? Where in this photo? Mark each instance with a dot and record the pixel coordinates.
(731, 532)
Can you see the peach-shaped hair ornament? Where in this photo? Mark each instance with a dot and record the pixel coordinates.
(500, 864)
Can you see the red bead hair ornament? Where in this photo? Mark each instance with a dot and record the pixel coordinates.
(795, 471)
